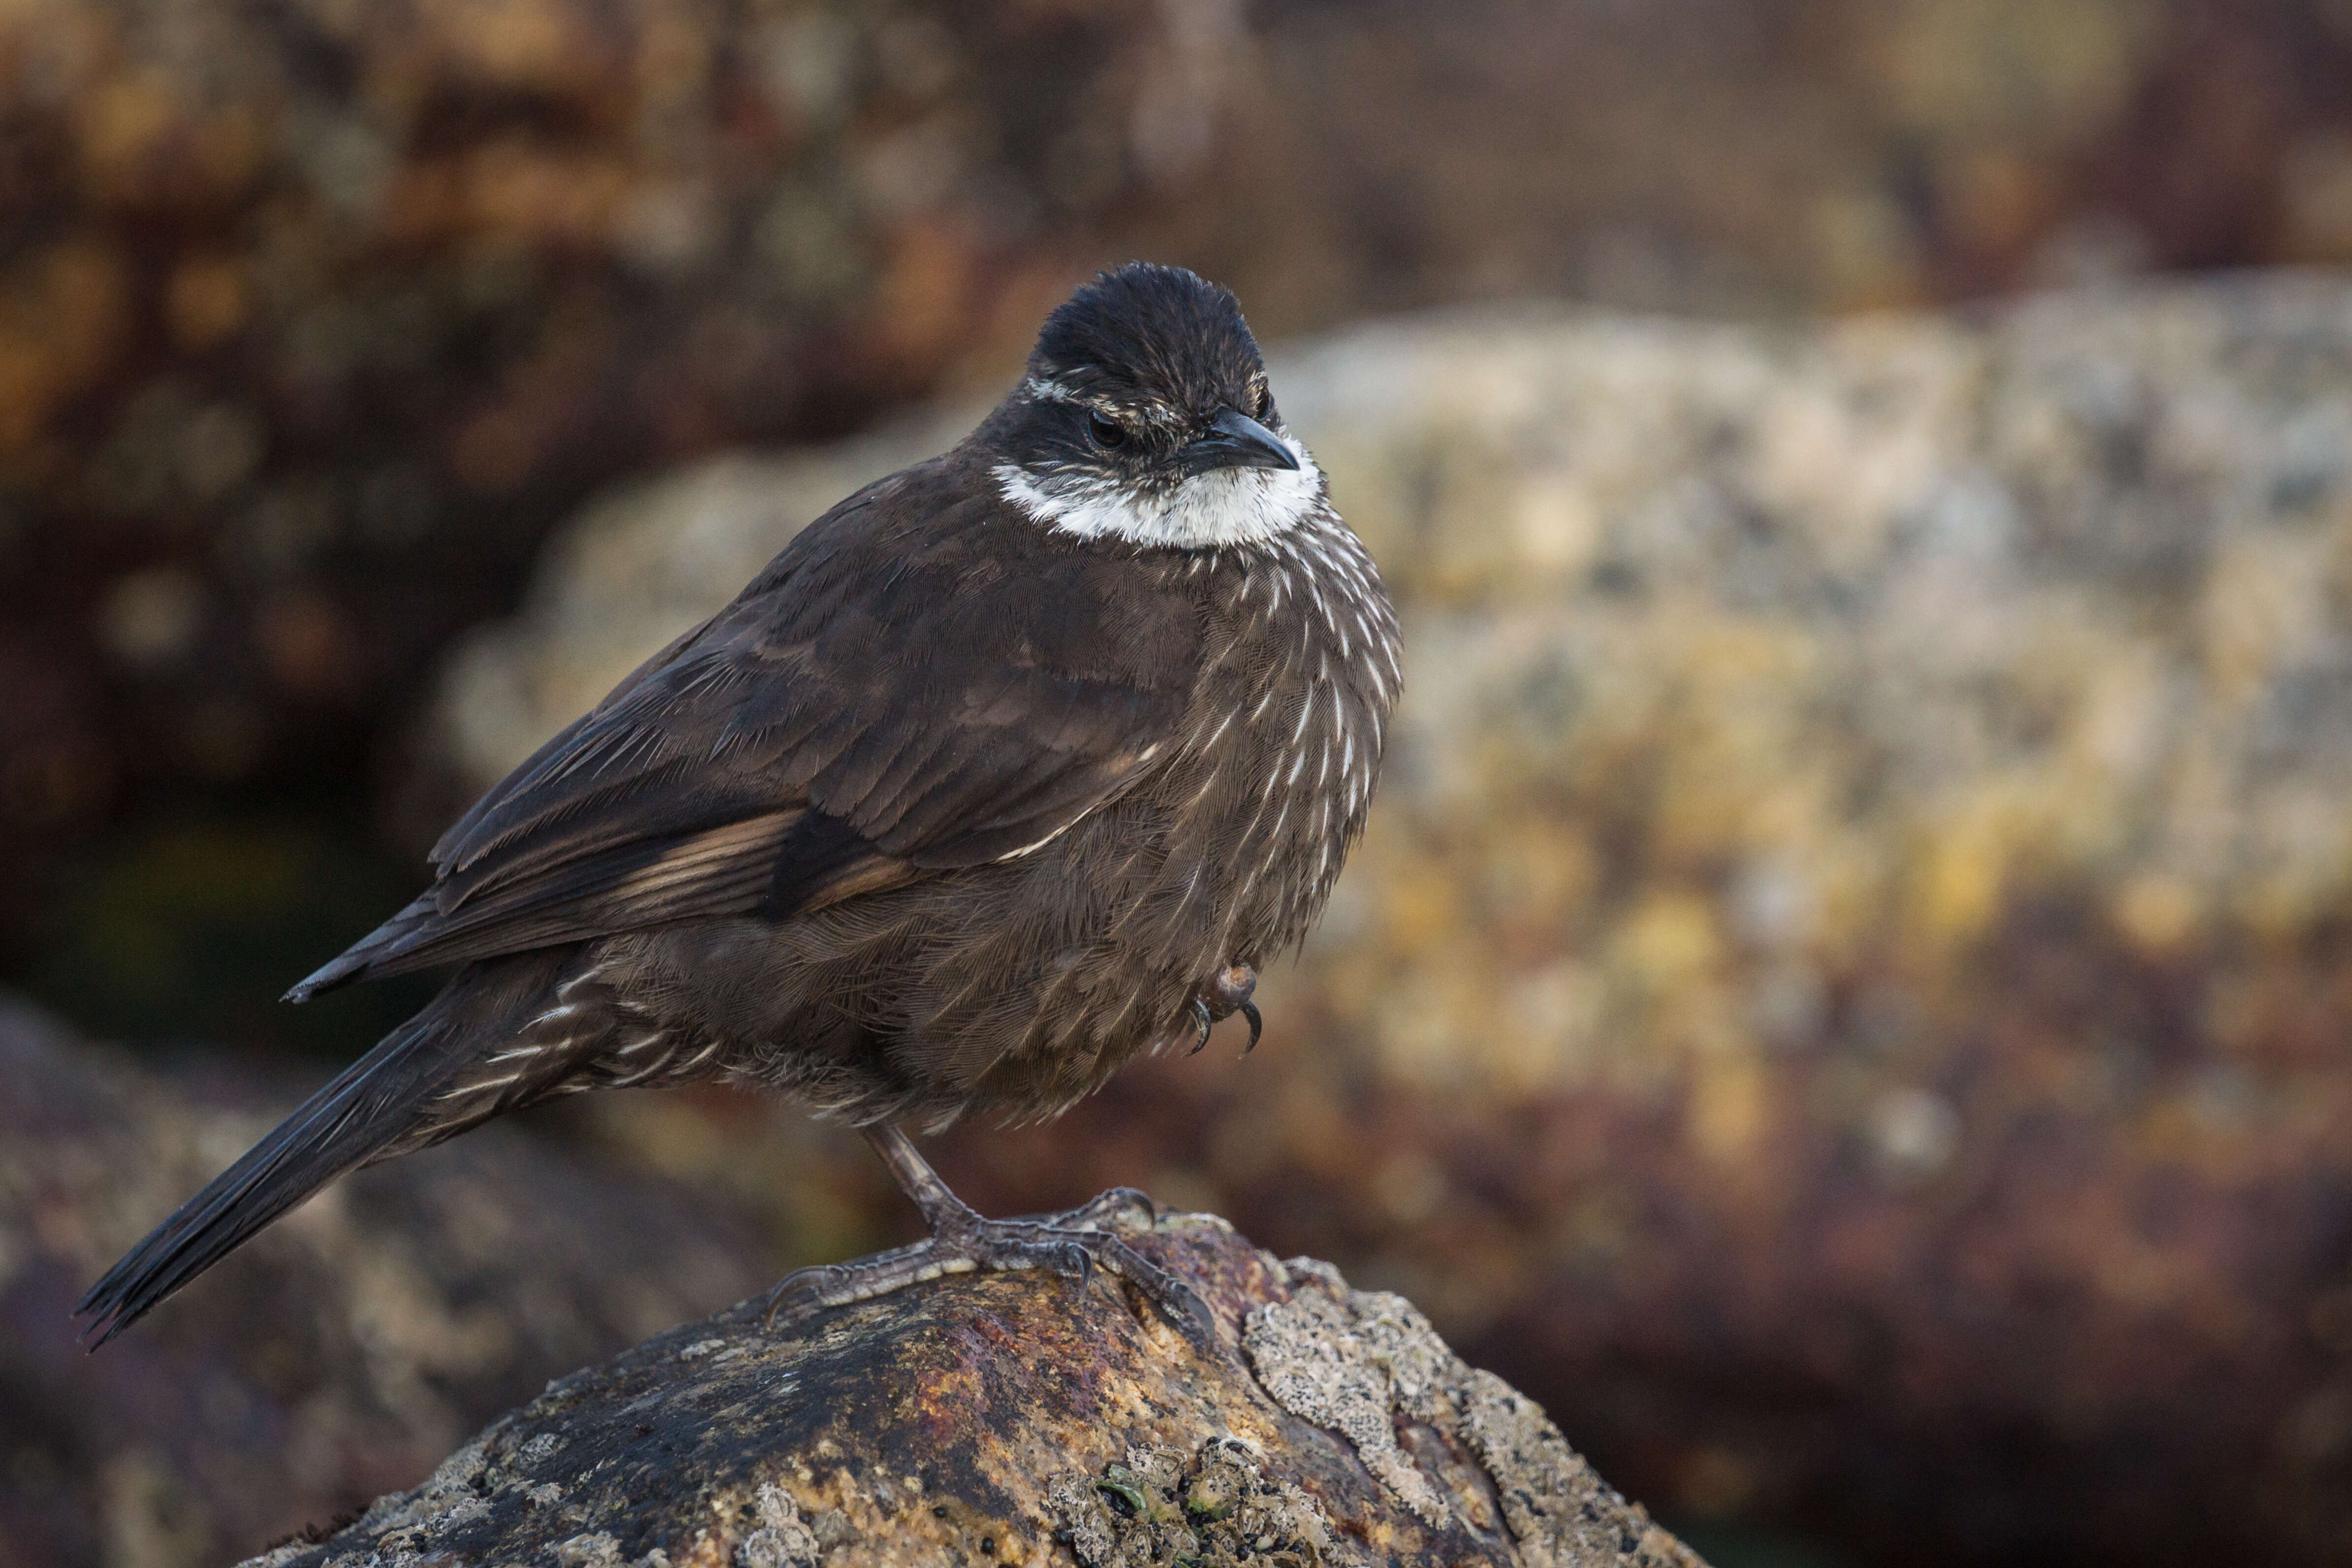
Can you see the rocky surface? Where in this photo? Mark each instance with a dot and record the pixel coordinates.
(1844, 994)
(1027, 1418)
(343, 1353)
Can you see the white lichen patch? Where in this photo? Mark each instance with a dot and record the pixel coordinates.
(406, 1527)
(413, 1529)
(1307, 1355)
(595, 1549)
(1420, 1365)
(539, 1450)
(450, 1498)
(1214, 1509)
(1355, 1361)
(783, 1538)
(1559, 1510)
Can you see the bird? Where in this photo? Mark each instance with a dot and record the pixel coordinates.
(1014, 766)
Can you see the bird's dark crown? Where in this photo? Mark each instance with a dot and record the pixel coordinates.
(1156, 343)
(1146, 416)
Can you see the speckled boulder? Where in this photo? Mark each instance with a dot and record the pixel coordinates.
(1026, 1418)
(343, 1353)
(1844, 994)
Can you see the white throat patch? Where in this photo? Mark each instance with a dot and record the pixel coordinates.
(1224, 507)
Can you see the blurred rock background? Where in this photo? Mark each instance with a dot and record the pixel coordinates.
(1845, 995)
(366, 1337)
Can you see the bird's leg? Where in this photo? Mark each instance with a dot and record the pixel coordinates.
(962, 1241)
(1227, 993)
(941, 1208)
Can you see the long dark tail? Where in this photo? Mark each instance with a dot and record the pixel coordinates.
(382, 1104)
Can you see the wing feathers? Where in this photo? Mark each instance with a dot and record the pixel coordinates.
(723, 869)
(907, 688)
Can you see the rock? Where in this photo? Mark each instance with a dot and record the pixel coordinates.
(1841, 994)
(339, 1353)
(1026, 1418)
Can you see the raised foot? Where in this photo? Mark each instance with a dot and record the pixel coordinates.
(1224, 994)
(1073, 1244)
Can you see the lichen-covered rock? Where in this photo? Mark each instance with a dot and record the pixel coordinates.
(1855, 915)
(1354, 1362)
(1026, 1418)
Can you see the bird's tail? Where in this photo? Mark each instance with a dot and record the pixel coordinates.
(382, 1104)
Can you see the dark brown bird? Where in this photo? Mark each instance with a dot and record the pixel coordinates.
(1011, 765)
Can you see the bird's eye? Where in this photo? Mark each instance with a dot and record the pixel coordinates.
(1265, 410)
(1107, 433)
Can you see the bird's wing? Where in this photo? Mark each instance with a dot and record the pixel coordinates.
(919, 682)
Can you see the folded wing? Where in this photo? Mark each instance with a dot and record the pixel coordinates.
(916, 683)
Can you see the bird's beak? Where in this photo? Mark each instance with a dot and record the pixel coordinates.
(1237, 442)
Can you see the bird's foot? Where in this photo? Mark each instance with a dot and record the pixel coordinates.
(1226, 994)
(1118, 1210)
(1073, 1244)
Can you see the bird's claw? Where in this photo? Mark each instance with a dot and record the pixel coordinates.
(1228, 994)
(809, 1280)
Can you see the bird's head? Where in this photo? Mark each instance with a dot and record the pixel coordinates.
(1145, 415)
